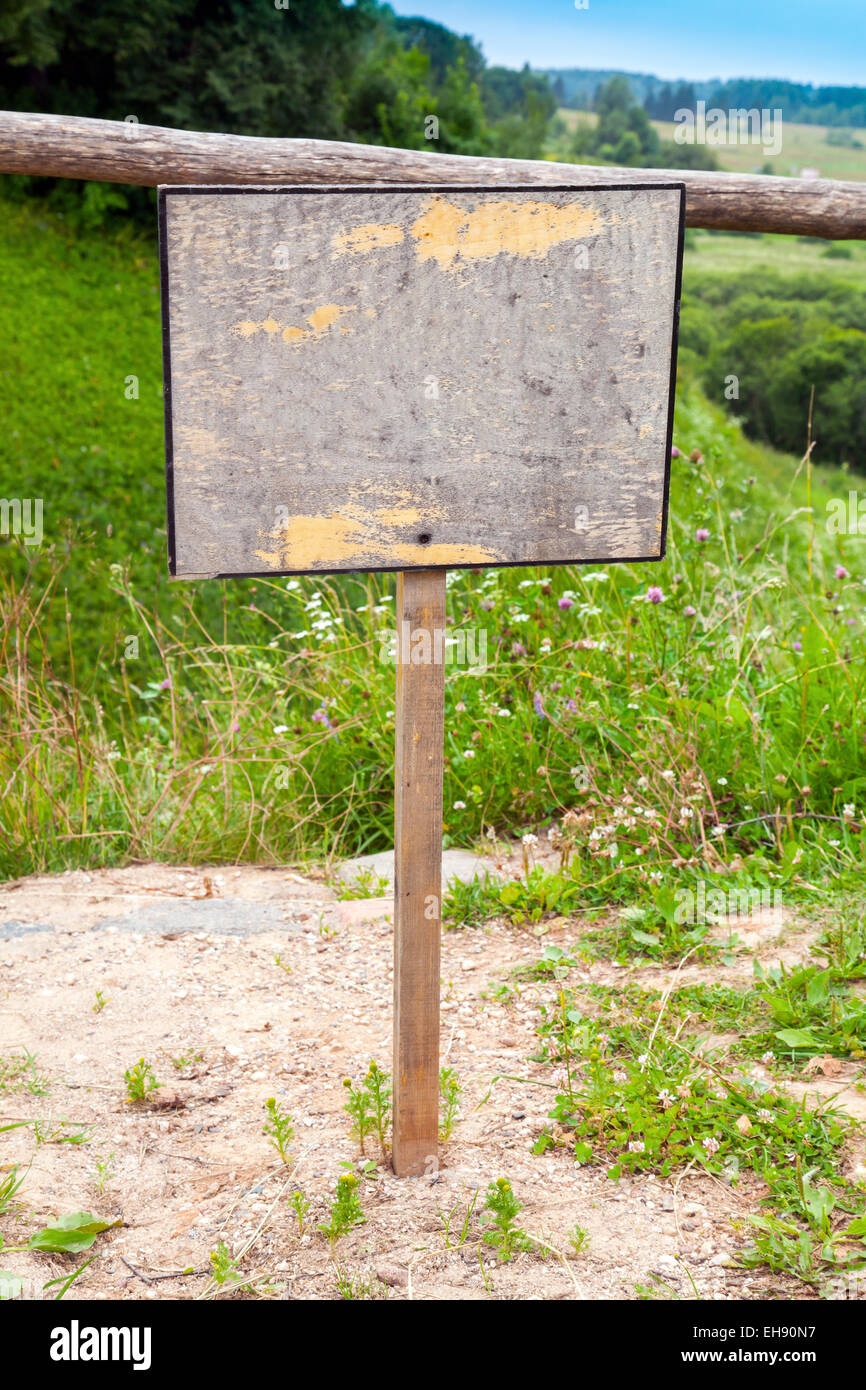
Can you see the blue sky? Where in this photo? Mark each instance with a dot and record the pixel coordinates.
(821, 41)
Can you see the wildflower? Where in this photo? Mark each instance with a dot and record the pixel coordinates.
(675, 453)
(665, 1097)
(841, 572)
(554, 834)
(702, 534)
(603, 1039)
(797, 646)
(459, 806)
(643, 1059)
(518, 649)
(620, 1077)
(460, 707)
(686, 814)
(636, 1146)
(848, 811)
(669, 775)
(643, 783)
(320, 716)
(538, 704)
(529, 839)
(654, 594)
(571, 706)
(565, 603)
(722, 781)
(688, 611)
(711, 1146)
(765, 1115)
(684, 1090)
(469, 753)
(281, 728)
(719, 830)
(504, 713)
(165, 685)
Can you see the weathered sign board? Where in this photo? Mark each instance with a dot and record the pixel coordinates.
(415, 379)
(388, 378)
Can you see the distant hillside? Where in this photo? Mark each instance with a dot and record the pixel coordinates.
(798, 101)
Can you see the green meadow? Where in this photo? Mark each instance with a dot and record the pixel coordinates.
(720, 688)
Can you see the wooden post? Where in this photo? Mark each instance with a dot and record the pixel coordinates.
(420, 721)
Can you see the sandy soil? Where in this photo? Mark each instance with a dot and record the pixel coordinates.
(187, 961)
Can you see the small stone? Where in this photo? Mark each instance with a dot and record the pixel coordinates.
(393, 1275)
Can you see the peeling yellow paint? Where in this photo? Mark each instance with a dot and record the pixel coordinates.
(445, 231)
(371, 237)
(360, 536)
(320, 320)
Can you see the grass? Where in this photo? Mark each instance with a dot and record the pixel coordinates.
(254, 720)
(637, 1090)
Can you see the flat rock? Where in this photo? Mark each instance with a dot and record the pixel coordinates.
(458, 865)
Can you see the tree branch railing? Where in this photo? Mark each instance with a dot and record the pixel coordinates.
(76, 147)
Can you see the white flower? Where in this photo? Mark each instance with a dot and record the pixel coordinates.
(504, 713)
(668, 775)
(665, 1097)
(718, 830)
(686, 814)
(636, 1146)
(722, 781)
(530, 839)
(620, 1077)
(711, 1145)
(554, 834)
(643, 783)
(767, 1058)
(459, 806)
(765, 1114)
(281, 728)
(848, 810)
(469, 753)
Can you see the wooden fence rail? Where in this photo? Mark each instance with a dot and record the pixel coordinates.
(126, 152)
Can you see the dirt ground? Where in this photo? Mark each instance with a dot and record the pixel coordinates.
(187, 961)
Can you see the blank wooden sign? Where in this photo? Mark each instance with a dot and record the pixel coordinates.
(397, 378)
